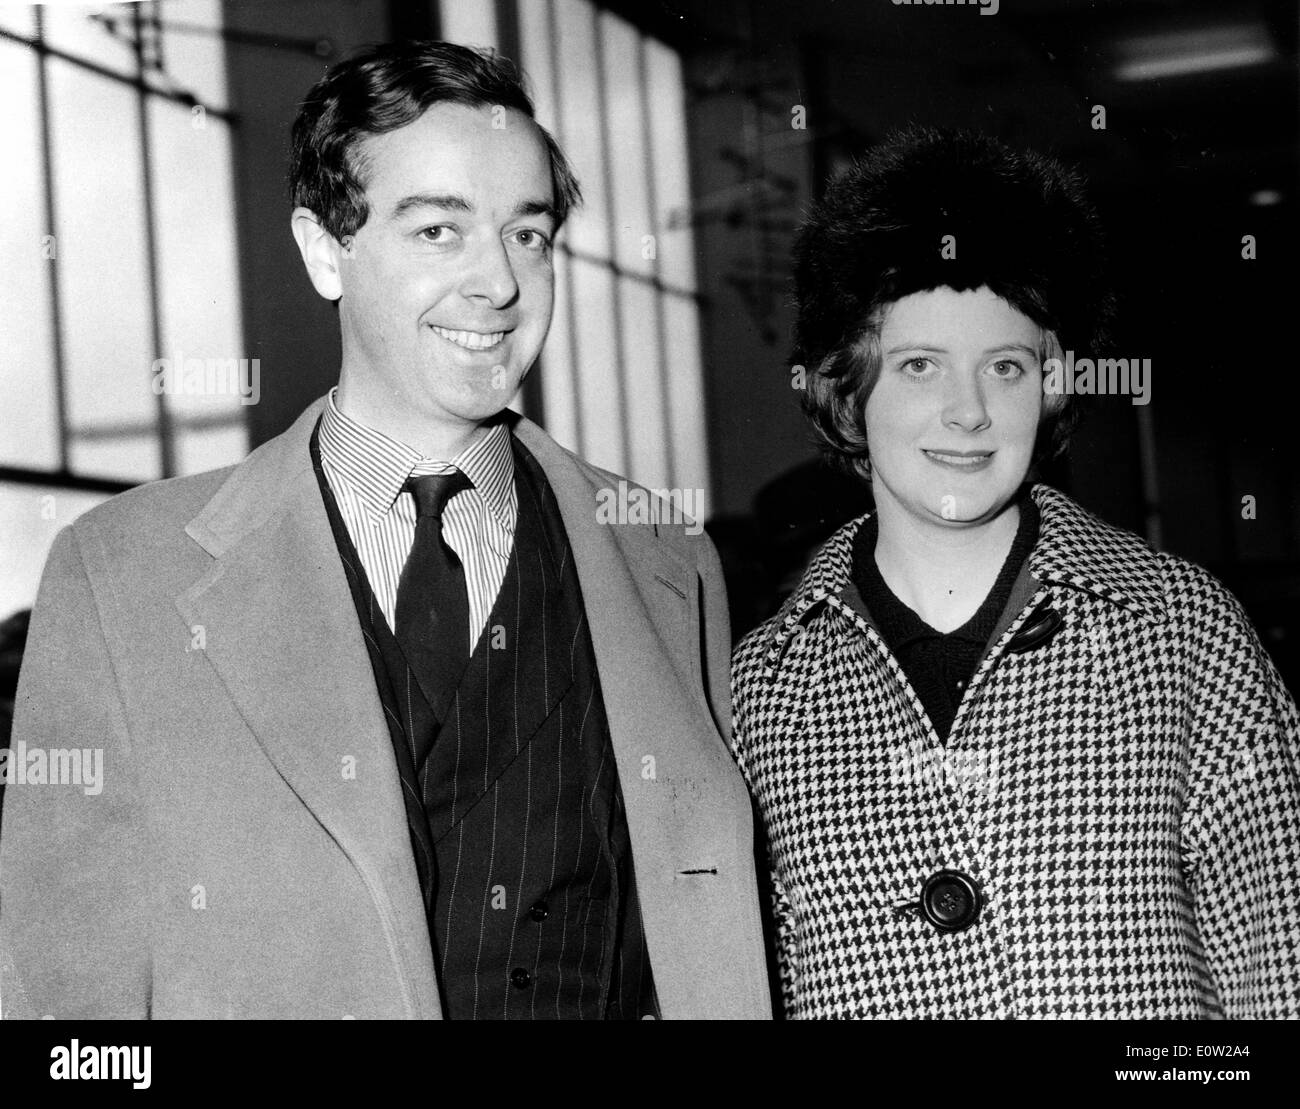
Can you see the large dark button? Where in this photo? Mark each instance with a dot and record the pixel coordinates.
(951, 900)
(520, 978)
(538, 911)
(1041, 624)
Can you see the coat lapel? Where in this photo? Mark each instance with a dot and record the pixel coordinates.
(281, 631)
(642, 603)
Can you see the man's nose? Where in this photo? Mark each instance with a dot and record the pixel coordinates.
(490, 277)
(964, 404)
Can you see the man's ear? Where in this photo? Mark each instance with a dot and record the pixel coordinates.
(321, 253)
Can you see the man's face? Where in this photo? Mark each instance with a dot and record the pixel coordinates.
(952, 420)
(447, 288)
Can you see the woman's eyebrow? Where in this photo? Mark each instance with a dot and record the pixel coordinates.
(944, 350)
(1013, 346)
(916, 346)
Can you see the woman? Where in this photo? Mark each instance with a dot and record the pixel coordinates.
(1011, 762)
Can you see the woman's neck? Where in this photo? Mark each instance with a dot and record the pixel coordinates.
(943, 574)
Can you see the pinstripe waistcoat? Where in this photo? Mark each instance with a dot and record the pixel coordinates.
(1126, 795)
(517, 823)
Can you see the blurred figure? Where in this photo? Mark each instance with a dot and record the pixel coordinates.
(13, 638)
(765, 554)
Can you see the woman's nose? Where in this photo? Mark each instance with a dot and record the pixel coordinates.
(964, 405)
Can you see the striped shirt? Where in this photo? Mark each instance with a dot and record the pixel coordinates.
(367, 471)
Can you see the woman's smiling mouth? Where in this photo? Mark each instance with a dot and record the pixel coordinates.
(959, 460)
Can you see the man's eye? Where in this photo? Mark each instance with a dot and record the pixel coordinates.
(437, 235)
(531, 239)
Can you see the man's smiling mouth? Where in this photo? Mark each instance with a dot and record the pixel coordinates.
(471, 340)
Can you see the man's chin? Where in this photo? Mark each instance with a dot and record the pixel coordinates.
(484, 404)
(480, 411)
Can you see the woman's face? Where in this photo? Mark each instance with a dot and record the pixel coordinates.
(953, 417)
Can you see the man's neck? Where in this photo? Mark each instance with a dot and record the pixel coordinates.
(941, 573)
(437, 439)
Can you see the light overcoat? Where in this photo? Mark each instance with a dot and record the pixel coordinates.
(248, 855)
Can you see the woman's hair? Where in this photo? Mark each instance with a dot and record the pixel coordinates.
(380, 89)
(932, 209)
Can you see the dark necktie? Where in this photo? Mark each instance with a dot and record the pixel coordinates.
(432, 614)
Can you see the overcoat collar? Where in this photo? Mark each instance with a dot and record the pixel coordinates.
(1075, 550)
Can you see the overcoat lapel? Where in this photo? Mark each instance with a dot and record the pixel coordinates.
(640, 598)
(280, 629)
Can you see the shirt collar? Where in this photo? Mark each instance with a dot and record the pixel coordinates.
(376, 466)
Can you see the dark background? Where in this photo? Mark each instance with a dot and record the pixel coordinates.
(1185, 167)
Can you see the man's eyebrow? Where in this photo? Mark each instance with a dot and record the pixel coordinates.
(454, 202)
(535, 208)
(448, 202)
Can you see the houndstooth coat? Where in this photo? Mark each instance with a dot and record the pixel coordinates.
(1125, 794)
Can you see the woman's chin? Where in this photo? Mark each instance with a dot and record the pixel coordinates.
(958, 510)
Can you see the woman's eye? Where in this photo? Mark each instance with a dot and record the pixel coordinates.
(1007, 368)
(916, 366)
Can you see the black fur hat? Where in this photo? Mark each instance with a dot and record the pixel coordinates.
(1019, 222)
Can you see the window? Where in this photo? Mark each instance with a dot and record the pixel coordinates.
(620, 380)
(121, 354)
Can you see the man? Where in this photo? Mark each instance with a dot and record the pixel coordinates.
(392, 725)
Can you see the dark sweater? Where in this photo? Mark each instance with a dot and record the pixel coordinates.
(939, 666)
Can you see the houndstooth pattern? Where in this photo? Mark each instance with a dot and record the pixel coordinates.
(1126, 795)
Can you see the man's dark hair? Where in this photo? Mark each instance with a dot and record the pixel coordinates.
(380, 89)
(1020, 224)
